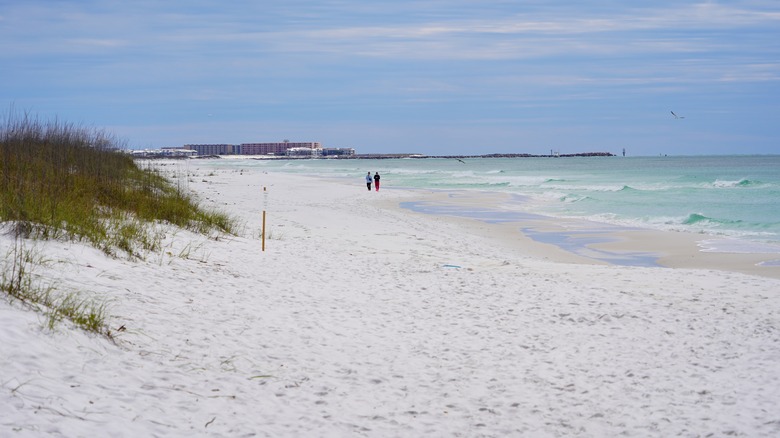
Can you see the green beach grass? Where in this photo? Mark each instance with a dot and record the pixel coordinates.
(61, 181)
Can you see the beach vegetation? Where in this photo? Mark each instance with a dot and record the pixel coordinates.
(59, 181)
(88, 314)
(194, 251)
(64, 181)
(19, 282)
(270, 235)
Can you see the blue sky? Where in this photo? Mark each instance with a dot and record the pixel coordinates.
(425, 76)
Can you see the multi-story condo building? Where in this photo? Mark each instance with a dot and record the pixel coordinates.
(213, 149)
(284, 148)
(275, 148)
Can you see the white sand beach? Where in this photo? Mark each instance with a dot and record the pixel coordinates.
(364, 319)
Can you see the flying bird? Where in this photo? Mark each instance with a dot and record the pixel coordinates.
(461, 161)
(676, 116)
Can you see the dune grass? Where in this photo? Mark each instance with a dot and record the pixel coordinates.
(61, 181)
(18, 282)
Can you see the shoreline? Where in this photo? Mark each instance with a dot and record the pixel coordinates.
(587, 242)
(602, 241)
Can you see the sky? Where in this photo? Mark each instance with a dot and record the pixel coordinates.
(440, 77)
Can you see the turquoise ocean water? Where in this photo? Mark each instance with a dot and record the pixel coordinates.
(727, 196)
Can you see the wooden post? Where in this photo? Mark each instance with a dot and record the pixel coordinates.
(265, 198)
(263, 230)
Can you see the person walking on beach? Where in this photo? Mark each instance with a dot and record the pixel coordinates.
(376, 181)
(368, 181)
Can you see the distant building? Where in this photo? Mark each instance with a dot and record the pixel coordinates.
(319, 152)
(212, 149)
(178, 152)
(337, 152)
(171, 152)
(302, 152)
(283, 148)
(279, 148)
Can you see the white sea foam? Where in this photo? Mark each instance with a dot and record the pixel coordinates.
(739, 246)
(636, 192)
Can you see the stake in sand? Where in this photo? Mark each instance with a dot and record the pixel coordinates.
(265, 204)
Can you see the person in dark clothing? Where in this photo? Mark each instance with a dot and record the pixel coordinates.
(376, 181)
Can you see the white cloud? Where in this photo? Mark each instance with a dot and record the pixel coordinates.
(768, 72)
(518, 36)
(511, 36)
